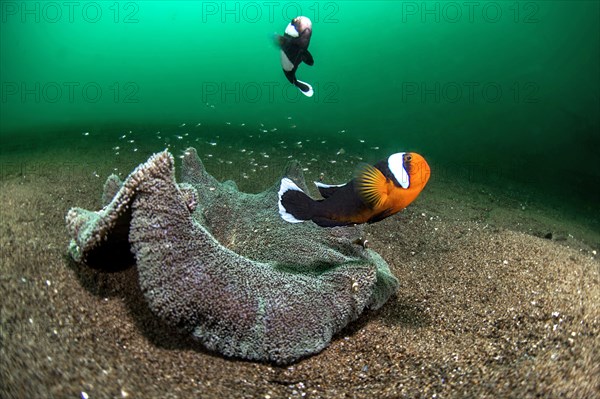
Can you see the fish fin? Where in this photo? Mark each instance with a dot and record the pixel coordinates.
(308, 58)
(380, 216)
(278, 40)
(294, 205)
(324, 222)
(327, 190)
(371, 185)
(305, 88)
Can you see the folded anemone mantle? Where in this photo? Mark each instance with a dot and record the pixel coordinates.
(223, 266)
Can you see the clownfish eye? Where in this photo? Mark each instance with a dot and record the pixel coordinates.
(407, 158)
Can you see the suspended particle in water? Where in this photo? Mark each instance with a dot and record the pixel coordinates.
(86, 133)
(182, 125)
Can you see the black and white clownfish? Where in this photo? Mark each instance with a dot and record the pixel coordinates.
(294, 50)
(374, 194)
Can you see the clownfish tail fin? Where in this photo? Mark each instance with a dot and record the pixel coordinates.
(294, 205)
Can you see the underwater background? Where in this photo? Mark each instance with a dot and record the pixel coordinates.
(497, 259)
(491, 91)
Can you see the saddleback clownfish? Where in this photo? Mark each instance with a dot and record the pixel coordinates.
(374, 194)
(294, 50)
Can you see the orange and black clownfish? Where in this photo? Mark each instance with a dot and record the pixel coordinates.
(374, 194)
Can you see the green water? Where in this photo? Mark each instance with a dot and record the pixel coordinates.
(481, 89)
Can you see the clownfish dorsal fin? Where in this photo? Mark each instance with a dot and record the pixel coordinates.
(327, 190)
(371, 185)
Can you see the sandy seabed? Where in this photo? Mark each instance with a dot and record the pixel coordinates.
(498, 298)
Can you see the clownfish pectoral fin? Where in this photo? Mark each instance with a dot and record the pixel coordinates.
(327, 190)
(308, 58)
(371, 185)
(278, 40)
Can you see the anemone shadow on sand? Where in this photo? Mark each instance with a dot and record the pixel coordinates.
(222, 266)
